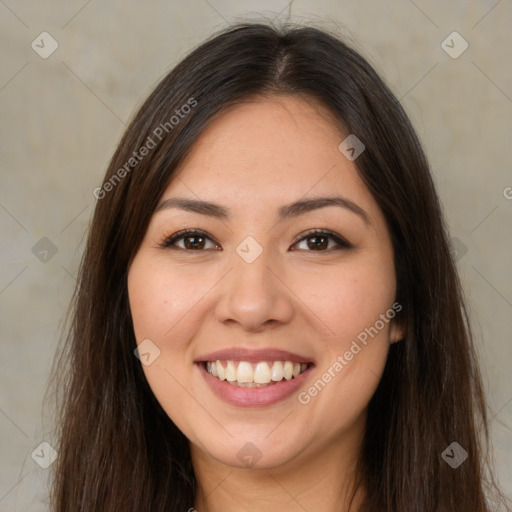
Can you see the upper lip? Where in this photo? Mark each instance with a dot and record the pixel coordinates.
(253, 356)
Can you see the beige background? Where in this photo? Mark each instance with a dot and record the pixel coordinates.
(62, 117)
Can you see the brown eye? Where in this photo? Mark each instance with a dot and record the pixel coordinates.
(319, 241)
(192, 241)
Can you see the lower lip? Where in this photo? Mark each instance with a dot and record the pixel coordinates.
(253, 397)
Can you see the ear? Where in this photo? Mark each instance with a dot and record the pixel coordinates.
(397, 331)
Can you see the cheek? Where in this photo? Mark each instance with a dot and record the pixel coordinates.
(352, 303)
(160, 299)
(162, 302)
(355, 304)
(350, 300)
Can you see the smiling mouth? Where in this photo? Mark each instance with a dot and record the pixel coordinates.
(254, 375)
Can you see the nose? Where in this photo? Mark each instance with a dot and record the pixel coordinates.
(254, 295)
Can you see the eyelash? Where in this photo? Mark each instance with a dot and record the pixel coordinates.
(169, 242)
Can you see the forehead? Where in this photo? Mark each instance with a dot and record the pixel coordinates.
(269, 151)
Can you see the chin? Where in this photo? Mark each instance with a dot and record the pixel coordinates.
(252, 451)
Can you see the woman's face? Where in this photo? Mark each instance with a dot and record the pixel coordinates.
(255, 298)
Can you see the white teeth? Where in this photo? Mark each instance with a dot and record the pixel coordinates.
(288, 370)
(262, 373)
(221, 373)
(277, 371)
(242, 373)
(230, 372)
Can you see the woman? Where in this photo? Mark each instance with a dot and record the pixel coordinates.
(268, 313)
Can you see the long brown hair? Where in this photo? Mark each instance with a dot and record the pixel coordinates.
(118, 450)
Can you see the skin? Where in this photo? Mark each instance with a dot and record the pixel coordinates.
(254, 158)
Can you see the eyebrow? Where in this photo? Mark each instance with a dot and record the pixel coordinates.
(284, 212)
